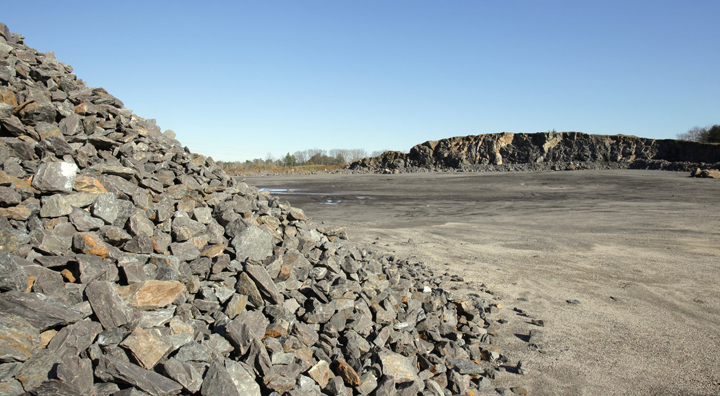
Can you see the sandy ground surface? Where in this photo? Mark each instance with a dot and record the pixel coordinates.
(639, 251)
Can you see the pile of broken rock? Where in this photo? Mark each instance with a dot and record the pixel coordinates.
(130, 266)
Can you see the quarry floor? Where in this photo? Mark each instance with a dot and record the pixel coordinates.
(639, 250)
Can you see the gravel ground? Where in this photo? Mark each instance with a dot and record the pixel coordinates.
(608, 280)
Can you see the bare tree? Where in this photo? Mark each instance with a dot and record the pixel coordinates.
(695, 134)
(300, 157)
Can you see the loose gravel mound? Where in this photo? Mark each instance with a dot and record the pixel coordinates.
(131, 266)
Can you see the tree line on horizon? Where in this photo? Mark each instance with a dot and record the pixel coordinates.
(315, 156)
(709, 134)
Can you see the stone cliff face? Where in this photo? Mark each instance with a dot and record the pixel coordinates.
(543, 150)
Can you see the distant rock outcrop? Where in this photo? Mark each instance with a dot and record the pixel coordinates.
(545, 151)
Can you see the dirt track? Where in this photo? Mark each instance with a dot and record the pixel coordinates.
(639, 250)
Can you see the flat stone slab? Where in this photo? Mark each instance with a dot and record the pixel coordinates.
(18, 338)
(41, 311)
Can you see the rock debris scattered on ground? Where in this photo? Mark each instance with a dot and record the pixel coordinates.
(131, 266)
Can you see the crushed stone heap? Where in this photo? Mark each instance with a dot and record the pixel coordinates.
(131, 266)
(545, 151)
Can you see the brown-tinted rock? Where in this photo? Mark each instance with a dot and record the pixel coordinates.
(18, 338)
(397, 366)
(148, 346)
(19, 212)
(88, 184)
(90, 243)
(347, 373)
(321, 373)
(246, 286)
(152, 294)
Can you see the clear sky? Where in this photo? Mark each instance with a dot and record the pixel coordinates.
(240, 79)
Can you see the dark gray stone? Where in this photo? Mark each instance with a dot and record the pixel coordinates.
(139, 224)
(246, 327)
(38, 368)
(73, 339)
(264, 283)
(55, 388)
(218, 382)
(140, 244)
(83, 221)
(42, 311)
(194, 352)
(184, 373)
(12, 275)
(93, 267)
(147, 380)
(77, 372)
(465, 366)
(185, 251)
(9, 196)
(107, 305)
(114, 235)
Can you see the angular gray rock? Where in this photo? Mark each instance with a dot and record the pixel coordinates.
(149, 381)
(185, 374)
(107, 305)
(55, 177)
(106, 207)
(12, 275)
(185, 251)
(41, 311)
(253, 243)
(55, 206)
(246, 327)
(397, 367)
(264, 283)
(78, 373)
(243, 378)
(83, 221)
(18, 338)
(218, 382)
(71, 340)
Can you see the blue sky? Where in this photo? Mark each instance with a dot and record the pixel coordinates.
(240, 79)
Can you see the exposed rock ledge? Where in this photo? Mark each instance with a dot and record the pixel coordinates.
(545, 151)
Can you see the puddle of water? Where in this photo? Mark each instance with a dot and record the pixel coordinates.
(278, 191)
(328, 196)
